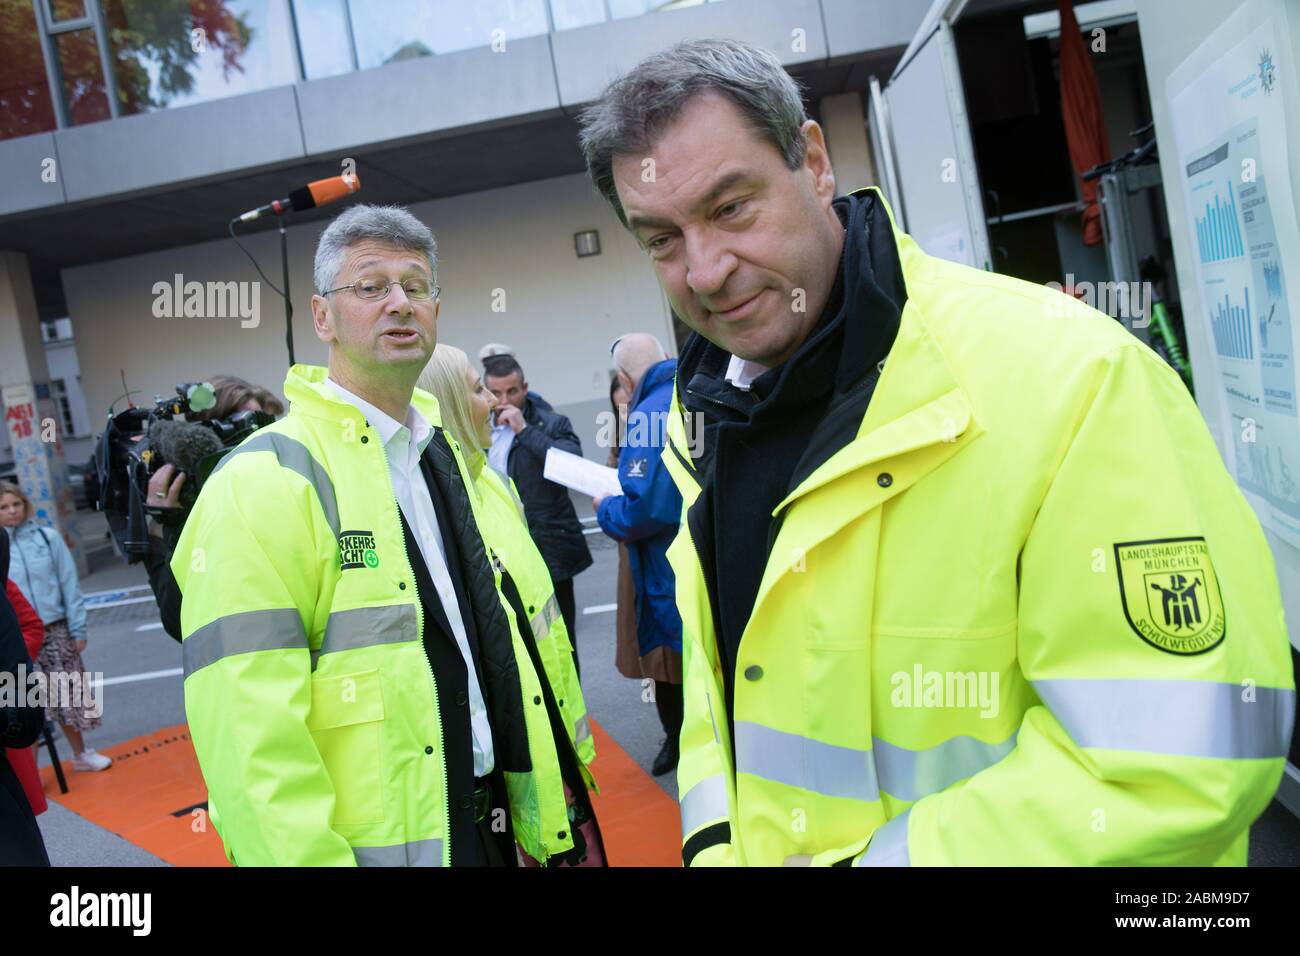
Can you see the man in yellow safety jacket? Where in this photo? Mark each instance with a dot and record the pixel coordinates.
(355, 683)
(962, 577)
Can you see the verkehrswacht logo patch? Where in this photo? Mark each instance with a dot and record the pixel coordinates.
(1170, 594)
(357, 549)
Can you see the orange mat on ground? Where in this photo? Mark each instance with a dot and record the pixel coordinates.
(150, 795)
(640, 823)
(147, 797)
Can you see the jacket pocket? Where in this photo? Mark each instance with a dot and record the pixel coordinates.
(346, 721)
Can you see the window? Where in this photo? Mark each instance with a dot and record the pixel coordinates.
(59, 393)
(567, 14)
(177, 52)
(387, 31)
(81, 73)
(25, 106)
(324, 37)
(61, 10)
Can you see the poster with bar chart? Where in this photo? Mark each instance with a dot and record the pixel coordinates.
(1218, 234)
(1231, 325)
(1244, 245)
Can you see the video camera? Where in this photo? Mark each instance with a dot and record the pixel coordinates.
(138, 441)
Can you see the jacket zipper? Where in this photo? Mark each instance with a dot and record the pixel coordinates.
(695, 395)
(437, 714)
(713, 616)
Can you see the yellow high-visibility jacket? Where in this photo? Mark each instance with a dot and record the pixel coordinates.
(1024, 617)
(311, 700)
(505, 531)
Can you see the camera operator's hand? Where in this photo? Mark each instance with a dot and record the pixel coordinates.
(164, 491)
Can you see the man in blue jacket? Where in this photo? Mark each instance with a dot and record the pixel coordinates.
(645, 517)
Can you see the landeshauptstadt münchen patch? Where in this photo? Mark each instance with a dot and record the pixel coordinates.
(1170, 594)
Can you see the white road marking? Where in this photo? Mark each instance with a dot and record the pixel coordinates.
(155, 626)
(147, 675)
(129, 588)
(600, 608)
(99, 607)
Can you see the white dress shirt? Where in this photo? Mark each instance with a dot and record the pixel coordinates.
(417, 506)
(742, 372)
(503, 436)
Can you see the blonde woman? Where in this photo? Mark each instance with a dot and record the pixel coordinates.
(44, 570)
(544, 649)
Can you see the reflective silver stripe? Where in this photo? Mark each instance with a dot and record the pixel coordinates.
(888, 846)
(367, 626)
(418, 853)
(243, 633)
(546, 615)
(706, 802)
(541, 626)
(581, 729)
(911, 774)
(1188, 718)
(293, 454)
(806, 763)
(835, 771)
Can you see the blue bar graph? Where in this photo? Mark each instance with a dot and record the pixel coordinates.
(1217, 232)
(1273, 279)
(1232, 328)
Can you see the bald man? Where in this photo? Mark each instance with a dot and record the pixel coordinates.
(645, 518)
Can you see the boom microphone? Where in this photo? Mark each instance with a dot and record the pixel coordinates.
(183, 444)
(315, 194)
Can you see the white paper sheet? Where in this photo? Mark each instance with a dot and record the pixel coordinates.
(577, 473)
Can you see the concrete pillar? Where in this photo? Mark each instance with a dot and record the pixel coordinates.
(31, 421)
(844, 122)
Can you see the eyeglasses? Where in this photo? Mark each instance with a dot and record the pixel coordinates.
(418, 290)
(613, 345)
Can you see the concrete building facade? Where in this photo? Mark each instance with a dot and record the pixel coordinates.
(468, 121)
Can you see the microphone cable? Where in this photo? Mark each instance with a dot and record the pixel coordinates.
(244, 249)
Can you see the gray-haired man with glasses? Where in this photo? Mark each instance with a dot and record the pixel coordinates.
(351, 683)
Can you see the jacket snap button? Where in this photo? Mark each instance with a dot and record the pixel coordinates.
(753, 672)
(364, 439)
(531, 609)
(562, 834)
(428, 750)
(561, 703)
(401, 585)
(462, 698)
(885, 479)
(537, 700)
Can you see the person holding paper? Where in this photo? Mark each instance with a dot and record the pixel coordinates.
(645, 517)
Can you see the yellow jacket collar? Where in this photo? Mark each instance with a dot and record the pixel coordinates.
(305, 388)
